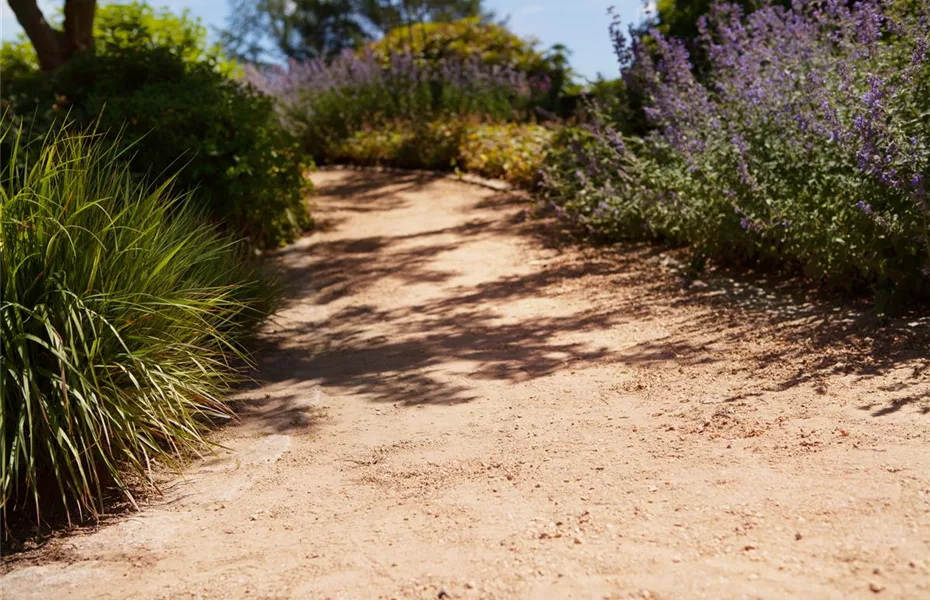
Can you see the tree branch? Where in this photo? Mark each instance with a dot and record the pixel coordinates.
(79, 26)
(45, 38)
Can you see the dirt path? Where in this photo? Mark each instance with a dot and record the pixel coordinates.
(452, 409)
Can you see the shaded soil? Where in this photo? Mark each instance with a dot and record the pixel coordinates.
(453, 406)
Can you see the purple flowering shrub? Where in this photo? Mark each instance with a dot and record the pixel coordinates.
(805, 144)
(326, 103)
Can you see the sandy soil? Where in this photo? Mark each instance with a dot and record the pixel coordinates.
(451, 408)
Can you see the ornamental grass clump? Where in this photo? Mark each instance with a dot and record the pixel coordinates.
(801, 143)
(121, 314)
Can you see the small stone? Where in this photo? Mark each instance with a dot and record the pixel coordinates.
(875, 588)
(469, 585)
(578, 540)
(798, 536)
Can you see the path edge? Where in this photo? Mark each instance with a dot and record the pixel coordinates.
(498, 185)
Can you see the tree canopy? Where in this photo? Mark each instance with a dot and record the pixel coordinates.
(309, 29)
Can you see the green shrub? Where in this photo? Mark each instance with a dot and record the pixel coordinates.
(426, 73)
(430, 145)
(155, 83)
(134, 25)
(464, 39)
(511, 151)
(137, 26)
(375, 146)
(491, 44)
(802, 147)
(616, 101)
(325, 103)
(121, 312)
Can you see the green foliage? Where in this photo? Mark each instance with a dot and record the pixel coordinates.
(125, 27)
(616, 101)
(489, 44)
(154, 81)
(609, 207)
(462, 40)
(513, 152)
(121, 312)
(320, 29)
(431, 145)
(326, 104)
(18, 61)
(678, 18)
(137, 26)
(509, 151)
(417, 75)
(391, 144)
(804, 151)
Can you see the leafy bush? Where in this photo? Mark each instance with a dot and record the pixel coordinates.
(431, 145)
(326, 103)
(385, 145)
(490, 44)
(617, 102)
(513, 152)
(121, 311)
(461, 40)
(509, 151)
(154, 82)
(138, 26)
(131, 26)
(803, 146)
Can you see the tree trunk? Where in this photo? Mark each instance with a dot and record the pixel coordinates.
(54, 47)
(79, 26)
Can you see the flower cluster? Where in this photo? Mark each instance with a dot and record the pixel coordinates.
(326, 102)
(809, 121)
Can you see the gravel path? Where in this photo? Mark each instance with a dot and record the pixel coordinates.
(451, 408)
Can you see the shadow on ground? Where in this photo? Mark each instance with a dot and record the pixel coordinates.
(814, 339)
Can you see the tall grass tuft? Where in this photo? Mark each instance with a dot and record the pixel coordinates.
(121, 318)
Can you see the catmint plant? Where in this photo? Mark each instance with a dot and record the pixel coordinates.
(802, 143)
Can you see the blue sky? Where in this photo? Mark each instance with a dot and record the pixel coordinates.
(581, 25)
